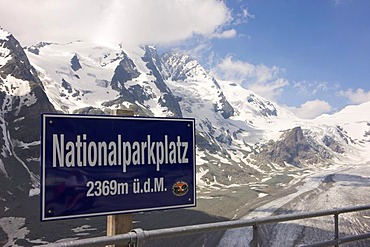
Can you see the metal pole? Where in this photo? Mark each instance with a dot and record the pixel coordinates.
(140, 237)
(255, 236)
(336, 228)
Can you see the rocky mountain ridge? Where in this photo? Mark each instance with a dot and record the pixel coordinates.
(22, 98)
(232, 122)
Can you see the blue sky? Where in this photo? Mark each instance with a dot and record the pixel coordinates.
(311, 56)
(321, 48)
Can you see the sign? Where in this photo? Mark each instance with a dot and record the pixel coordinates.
(103, 165)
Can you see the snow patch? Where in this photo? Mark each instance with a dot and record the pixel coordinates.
(260, 195)
(34, 192)
(206, 197)
(4, 35)
(2, 168)
(24, 145)
(15, 87)
(4, 56)
(200, 174)
(83, 230)
(4, 52)
(14, 228)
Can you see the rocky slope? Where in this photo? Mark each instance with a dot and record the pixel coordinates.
(22, 98)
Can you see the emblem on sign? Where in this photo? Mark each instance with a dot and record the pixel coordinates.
(180, 188)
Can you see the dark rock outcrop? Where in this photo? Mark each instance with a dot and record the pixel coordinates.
(125, 71)
(75, 63)
(293, 148)
(167, 99)
(22, 100)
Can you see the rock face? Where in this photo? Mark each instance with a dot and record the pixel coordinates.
(75, 63)
(266, 108)
(295, 149)
(22, 99)
(332, 144)
(124, 72)
(167, 99)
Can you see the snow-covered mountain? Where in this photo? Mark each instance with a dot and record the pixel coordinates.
(241, 137)
(236, 128)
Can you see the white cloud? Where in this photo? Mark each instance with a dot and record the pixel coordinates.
(269, 89)
(242, 16)
(310, 88)
(311, 109)
(234, 70)
(356, 97)
(261, 79)
(341, 2)
(225, 34)
(114, 21)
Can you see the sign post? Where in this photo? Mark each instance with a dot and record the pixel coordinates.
(120, 223)
(113, 165)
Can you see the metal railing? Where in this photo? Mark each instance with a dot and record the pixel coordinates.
(138, 237)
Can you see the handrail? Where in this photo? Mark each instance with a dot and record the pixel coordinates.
(339, 241)
(139, 236)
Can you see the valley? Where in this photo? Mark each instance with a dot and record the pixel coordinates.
(331, 187)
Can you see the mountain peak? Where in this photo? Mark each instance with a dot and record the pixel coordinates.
(4, 35)
(180, 66)
(13, 60)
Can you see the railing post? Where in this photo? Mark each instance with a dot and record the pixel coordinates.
(336, 228)
(255, 236)
(140, 237)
